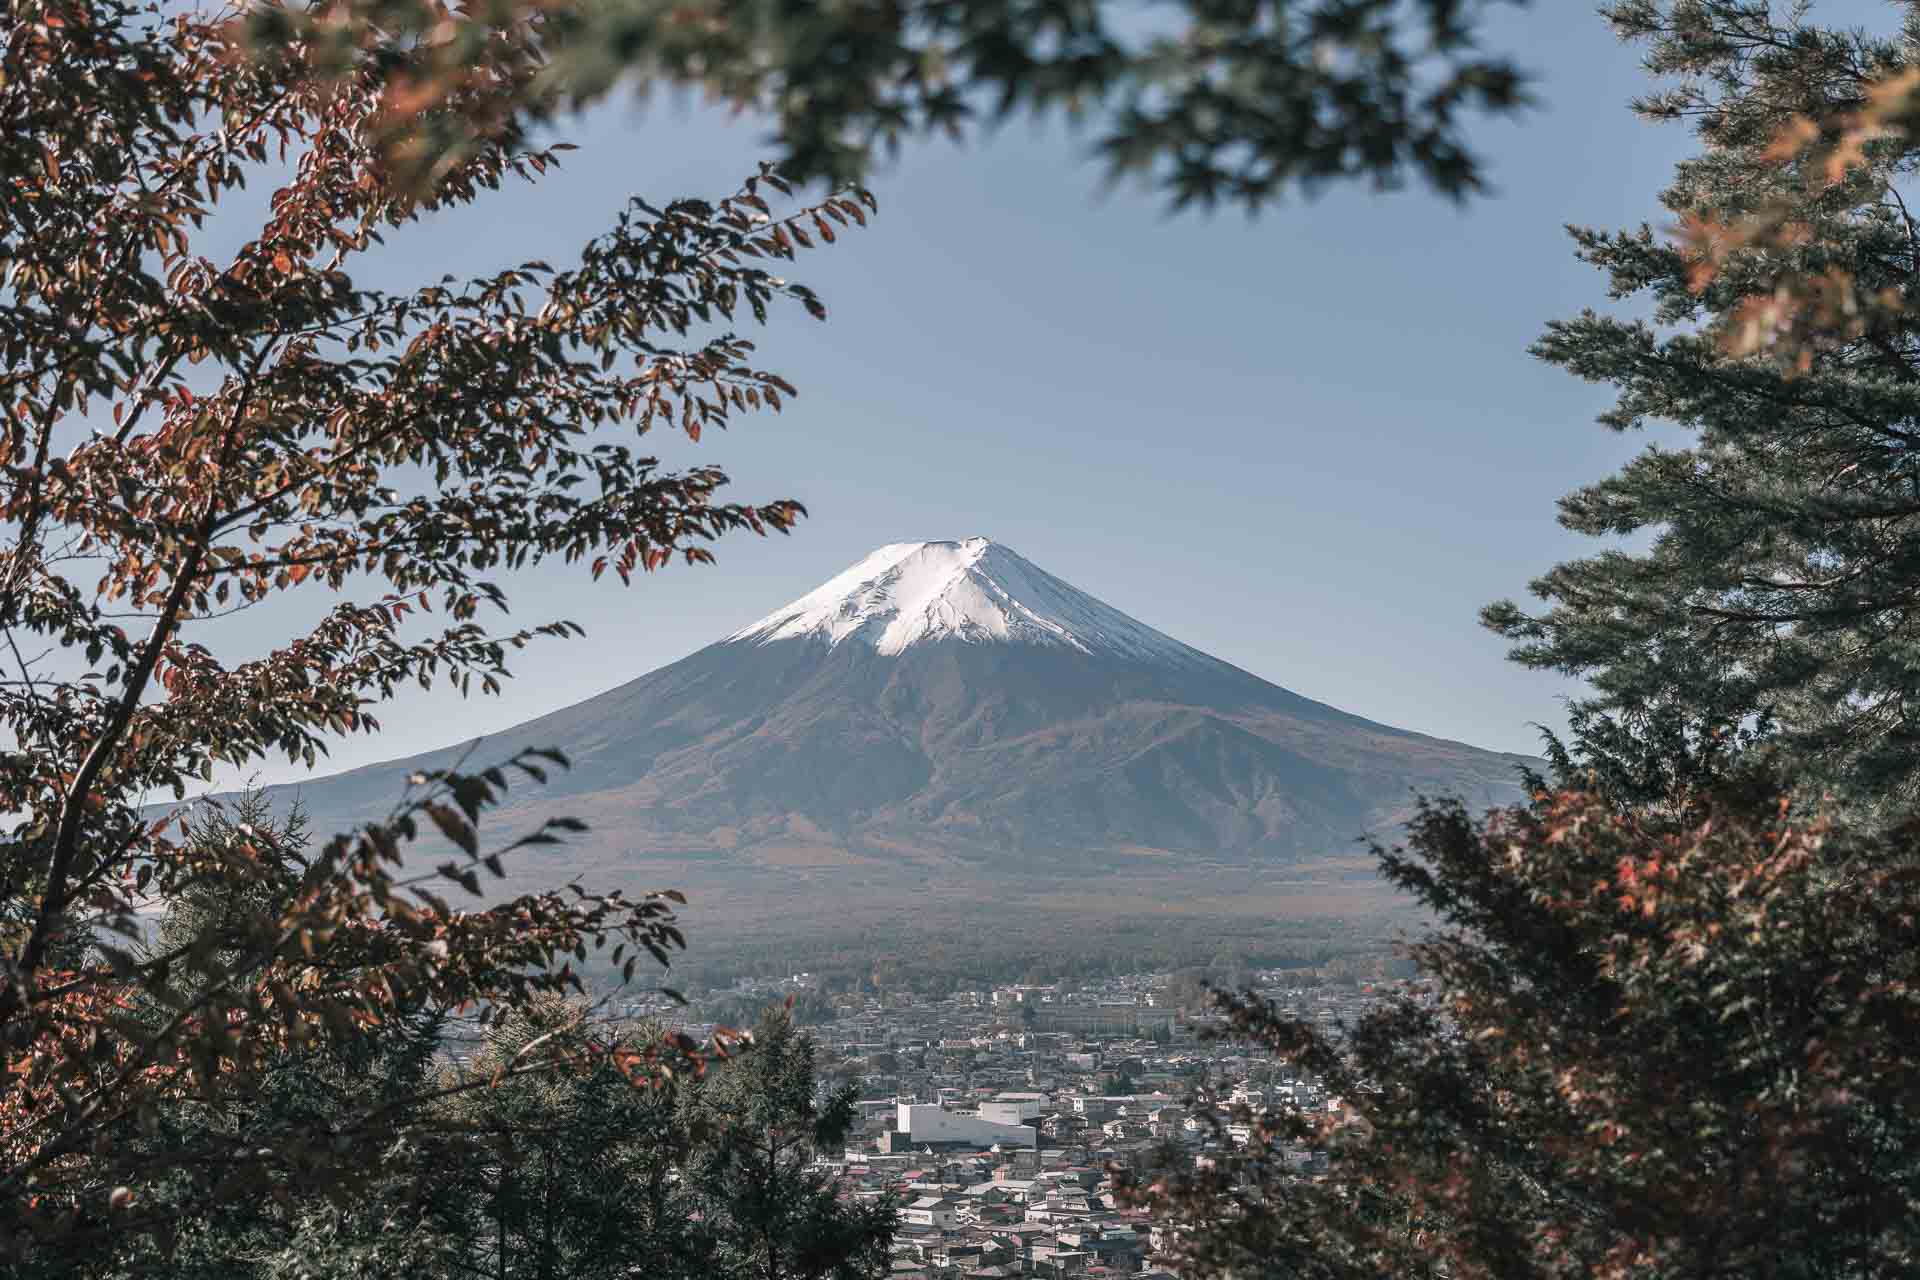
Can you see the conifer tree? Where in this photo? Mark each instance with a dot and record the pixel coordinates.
(581, 1175)
(404, 1208)
(577, 1175)
(758, 1123)
(1773, 598)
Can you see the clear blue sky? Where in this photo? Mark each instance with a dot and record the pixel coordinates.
(1311, 444)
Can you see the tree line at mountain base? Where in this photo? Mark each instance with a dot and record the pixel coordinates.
(925, 958)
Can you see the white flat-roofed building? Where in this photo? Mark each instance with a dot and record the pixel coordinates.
(921, 1122)
(932, 1211)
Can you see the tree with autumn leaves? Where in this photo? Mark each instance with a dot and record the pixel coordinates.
(185, 438)
(1675, 1043)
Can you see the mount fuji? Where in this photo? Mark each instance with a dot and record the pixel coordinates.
(948, 723)
(974, 591)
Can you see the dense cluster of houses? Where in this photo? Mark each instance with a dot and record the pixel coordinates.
(993, 1118)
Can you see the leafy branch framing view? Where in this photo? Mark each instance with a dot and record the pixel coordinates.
(185, 1003)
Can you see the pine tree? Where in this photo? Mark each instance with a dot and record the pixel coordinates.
(758, 1123)
(403, 1213)
(1774, 597)
(578, 1177)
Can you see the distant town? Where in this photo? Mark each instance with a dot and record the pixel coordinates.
(995, 1117)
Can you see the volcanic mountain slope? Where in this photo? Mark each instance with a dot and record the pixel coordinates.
(944, 711)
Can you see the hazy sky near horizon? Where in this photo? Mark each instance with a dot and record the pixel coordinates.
(1312, 444)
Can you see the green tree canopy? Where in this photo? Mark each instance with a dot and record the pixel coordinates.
(759, 1121)
(1216, 103)
(578, 1172)
(1768, 587)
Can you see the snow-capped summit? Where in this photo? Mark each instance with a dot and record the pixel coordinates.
(975, 591)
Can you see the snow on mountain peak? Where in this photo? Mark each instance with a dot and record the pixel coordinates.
(975, 591)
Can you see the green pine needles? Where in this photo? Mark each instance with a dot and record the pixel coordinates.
(1768, 578)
